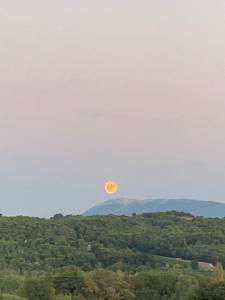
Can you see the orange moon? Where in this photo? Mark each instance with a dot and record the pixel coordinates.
(111, 187)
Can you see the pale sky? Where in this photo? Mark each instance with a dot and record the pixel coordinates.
(92, 90)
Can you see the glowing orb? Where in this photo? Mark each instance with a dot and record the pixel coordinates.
(111, 187)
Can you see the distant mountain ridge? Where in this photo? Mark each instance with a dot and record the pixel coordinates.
(125, 206)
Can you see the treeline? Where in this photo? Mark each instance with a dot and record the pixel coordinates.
(150, 256)
(70, 283)
(28, 244)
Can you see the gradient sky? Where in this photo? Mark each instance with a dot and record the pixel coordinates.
(92, 90)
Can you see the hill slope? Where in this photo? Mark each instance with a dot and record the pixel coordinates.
(128, 207)
(87, 242)
(28, 244)
(155, 250)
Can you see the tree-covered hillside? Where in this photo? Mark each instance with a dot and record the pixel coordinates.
(160, 256)
(87, 242)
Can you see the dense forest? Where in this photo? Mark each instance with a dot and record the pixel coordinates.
(155, 256)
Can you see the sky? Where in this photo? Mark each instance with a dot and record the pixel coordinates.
(93, 90)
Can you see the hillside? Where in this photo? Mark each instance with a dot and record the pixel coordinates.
(128, 207)
(150, 256)
(87, 242)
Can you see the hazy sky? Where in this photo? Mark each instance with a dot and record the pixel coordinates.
(92, 90)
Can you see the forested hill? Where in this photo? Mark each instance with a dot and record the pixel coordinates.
(41, 244)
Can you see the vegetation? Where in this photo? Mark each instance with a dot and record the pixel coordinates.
(150, 256)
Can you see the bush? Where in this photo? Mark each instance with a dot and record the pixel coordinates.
(38, 289)
(211, 292)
